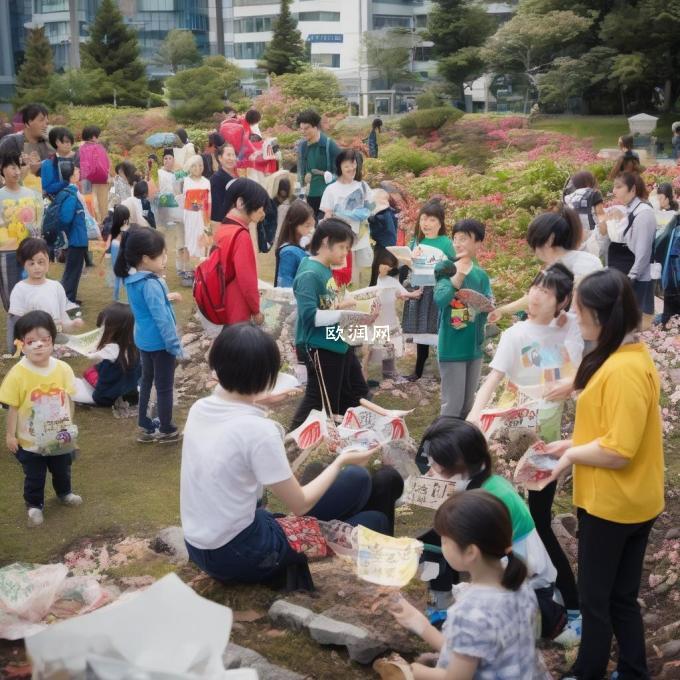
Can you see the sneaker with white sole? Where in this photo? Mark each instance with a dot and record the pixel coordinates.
(35, 517)
(145, 436)
(71, 499)
(167, 437)
(571, 634)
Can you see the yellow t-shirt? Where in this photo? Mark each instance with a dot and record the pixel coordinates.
(41, 397)
(620, 408)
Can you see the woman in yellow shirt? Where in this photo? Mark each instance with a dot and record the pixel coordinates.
(617, 458)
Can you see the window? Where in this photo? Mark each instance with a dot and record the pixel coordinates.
(422, 54)
(44, 6)
(421, 20)
(248, 3)
(319, 16)
(249, 50)
(253, 24)
(328, 60)
(390, 21)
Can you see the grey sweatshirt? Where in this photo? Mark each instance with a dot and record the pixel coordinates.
(640, 239)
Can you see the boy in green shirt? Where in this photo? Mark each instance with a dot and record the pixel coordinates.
(461, 326)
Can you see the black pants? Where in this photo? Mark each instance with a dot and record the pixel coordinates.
(314, 202)
(344, 382)
(671, 305)
(540, 505)
(422, 352)
(158, 368)
(75, 258)
(609, 570)
(35, 474)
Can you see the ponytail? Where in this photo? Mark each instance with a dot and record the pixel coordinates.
(121, 268)
(515, 572)
(134, 245)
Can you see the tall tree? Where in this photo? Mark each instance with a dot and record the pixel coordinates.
(178, 49)
(113, 47)
(286, 52)
(33, 78)
(457, 28)
(389, 55)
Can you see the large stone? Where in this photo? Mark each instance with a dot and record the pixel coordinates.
(361, 645)
(289, 615)
(171, 541)
(236, 656)
(670, 648)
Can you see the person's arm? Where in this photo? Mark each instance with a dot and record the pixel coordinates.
(11, 436)
(288, 264)
(155, 297)
(592, 454)
(642, 242)
(485, 394)
(444, 292)
(509, 308)
(246, 271)
(67, 211)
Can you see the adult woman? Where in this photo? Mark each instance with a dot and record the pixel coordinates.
(632, 241)
(186, 151)
(350, 198)
(617, 457)
(584, 197)
(291, 246)
(211, 161)
(667, 254)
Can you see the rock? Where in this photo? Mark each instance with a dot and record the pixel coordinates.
(188, 338)
(663, 588)
(651, 619)
(284, 613)
(171, 541)
(361, 646)
(670, 670)
(672, 533)
(236, 656)
(670, 648)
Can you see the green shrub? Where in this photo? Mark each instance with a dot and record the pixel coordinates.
(427, 120)
(431, 98)
(313, 83)
(402, 157)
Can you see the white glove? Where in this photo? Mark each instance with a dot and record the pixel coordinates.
(327, 177)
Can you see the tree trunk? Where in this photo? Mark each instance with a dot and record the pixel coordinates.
(623, 102)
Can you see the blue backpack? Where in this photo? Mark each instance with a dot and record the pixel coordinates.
(51, 225)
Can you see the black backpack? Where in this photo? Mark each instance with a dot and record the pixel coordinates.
(581, 200)
(51, 225)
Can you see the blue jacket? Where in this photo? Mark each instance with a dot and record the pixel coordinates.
(50, 177)
(288, 258)
(383, 227)
(155, 324)
(114, 382)
(72, 218)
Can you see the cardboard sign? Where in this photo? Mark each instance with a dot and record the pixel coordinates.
(428, 492)
(385, 560)
(493, 420)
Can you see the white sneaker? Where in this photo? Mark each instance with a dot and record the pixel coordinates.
(571, 635)
(35, 517)
(71, 499)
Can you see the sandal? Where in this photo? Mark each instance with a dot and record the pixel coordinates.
(393, 668)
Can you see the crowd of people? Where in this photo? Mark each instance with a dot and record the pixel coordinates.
(325, 227)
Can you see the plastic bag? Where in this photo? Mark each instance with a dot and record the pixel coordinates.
(29, 590)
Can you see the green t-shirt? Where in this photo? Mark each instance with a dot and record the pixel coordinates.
(444, 243)
(318, 159)
(314, 289)
(461, 328)
(522, 523)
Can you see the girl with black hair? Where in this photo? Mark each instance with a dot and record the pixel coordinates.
(294, 239)
(155, 328)
(667, 254)
(538, 358)
(618, 467)
(317, 337)
(120, 223)
(211, 161)
(185, 151)
(126, 176)
(489, 631)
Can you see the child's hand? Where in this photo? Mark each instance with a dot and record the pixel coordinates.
(77, 323)
(12, 443)
(495, 316)
(358, 457)
(174, 297)
(409, 617)
(258, 318)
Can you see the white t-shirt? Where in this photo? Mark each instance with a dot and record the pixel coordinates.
(166, 182)
(48, 297)
(390, 288)
(342, 199)
(230, 451)
(108, 352)
(580, 263)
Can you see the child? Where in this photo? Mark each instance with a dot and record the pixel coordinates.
(196, 202)
(376, 127)
(36, 291)
(317, 334)
(168, 189)
(291, 248)
(387, 349)
(120, 223)
(21, 208)
(461, 327)
(382, 225)
(126, 176)
(116, 370)
(283, 200)
(62, 140)
(489, 631)
(95, 167)
(155, 327)
(40, 432)
(141, 192)
(539, 358)
(421, 317)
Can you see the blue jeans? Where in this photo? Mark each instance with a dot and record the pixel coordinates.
(35, 474)
(75, 259)
(158, 368)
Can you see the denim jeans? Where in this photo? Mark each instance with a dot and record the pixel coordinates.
(158, 368)
(75, 259)
(35, 474)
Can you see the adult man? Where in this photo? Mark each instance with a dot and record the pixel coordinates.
(30, 144)
(218, 184)
(316, 157)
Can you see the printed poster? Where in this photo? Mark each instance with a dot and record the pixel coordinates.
(387, 561)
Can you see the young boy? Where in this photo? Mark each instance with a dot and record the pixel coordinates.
(40, 431)
(62, 140)
(461, 326)
(36, 291)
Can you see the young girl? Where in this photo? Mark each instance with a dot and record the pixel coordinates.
(538, 357)
(185, 152)
(421, 316)
(168, 188)
(382, 225)
(489, 631)
(116, 368)
(126, 176)
(283, 193)
(387, 349)
(196, 202)
(351, 199)
(141, 192)
(120, 223)
(291, 248)
(317, 334)
(155, 327)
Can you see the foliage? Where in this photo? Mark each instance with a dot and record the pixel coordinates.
(35, 73)
(79, 87)
(388, 54)
(312, 83)
(113, 48)
(425, 120)
(178, 49)
(401, 156)
(431, 97)
(196, 93)
(285, 52)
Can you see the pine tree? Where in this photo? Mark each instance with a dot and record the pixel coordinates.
(286, 52)
(113, 47)
(33, 78)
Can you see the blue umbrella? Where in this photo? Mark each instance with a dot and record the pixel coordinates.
(160, 139)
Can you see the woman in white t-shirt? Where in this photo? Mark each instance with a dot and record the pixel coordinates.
(554, 237)
(231, 451)
(351, 199)
(537, 357)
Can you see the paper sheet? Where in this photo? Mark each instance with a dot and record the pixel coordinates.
(427, 492)
(534, 468)
(85, 343)
(385, 560)
(493, 420)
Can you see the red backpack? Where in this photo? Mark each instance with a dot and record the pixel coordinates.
(94, 163)
(213, 275)
(233, 133)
